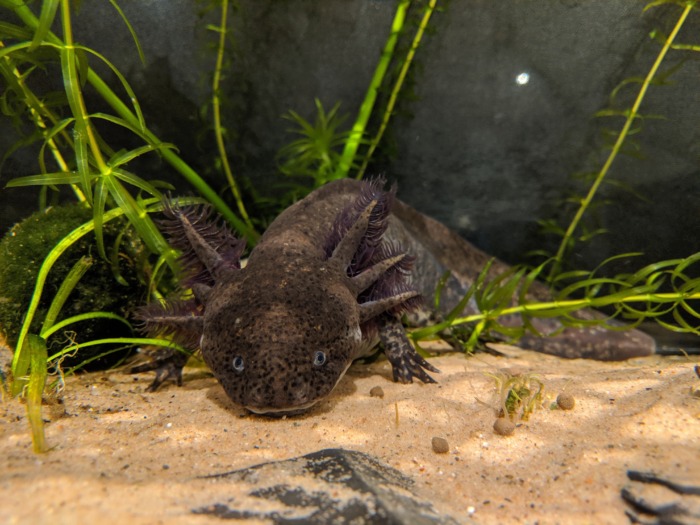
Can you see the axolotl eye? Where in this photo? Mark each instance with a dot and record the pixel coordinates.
(238, 364)
(319, 358)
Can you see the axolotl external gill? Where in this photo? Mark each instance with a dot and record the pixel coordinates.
(330, 278)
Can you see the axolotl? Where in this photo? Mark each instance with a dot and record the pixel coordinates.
(329, 280)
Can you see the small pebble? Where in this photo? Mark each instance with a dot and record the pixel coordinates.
(440, 445)
(566, 401)
(377, 391)
(503, 426)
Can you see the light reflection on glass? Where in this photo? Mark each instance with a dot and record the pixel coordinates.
(522, 79)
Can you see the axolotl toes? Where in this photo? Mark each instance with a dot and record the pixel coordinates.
(329, 280)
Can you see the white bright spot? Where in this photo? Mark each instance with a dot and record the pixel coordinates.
(522, 79)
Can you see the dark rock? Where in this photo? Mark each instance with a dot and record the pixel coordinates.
(675, 506)
(328, 486)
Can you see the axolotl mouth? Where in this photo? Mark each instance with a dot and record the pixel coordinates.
(282, 412)
(294, 410)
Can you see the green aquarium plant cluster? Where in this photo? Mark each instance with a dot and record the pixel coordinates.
(111, 230)
(83, 282)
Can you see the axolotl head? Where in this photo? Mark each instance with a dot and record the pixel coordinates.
(280, 333)
(280, 346)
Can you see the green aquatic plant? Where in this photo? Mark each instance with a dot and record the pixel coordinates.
(359, 128)
(37, 45)
(428, 11)
(664, 292)
(517, 395)
(317, 153)
(116, 284)
(219, 131)
(632, 117)
(325, 151)
(28, 364)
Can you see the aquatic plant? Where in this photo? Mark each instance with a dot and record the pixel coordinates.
(222, 31)
(632, 117)
(116, 285)
(316, 154)
(326, 152)
(652, 293)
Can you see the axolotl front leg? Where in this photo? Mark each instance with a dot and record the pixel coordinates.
(406, 363)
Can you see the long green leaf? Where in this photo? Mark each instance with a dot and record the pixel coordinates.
(98, 210)
(137, 181)
(46, 18)
(69, 282)
(124, 157)
(128, 125)
(11, 49)
(23, 11)
(347, 158)
(49, 137)
(139, 218)
(131, 30)
(35, 390)
(125, 84)
(83, 317)
(44, 179)
(14, 32)
(119, 340)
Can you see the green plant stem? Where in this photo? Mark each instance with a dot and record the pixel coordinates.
(632, 114)
(23, 11)
(397, 86)
(83, 128)
(358, 130)
(550, 306)
(216, 107)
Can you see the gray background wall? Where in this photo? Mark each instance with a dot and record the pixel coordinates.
(475, 149)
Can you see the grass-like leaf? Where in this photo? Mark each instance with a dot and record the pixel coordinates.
(131, 30)
(81, 266)
(35, 390)
(347, 158)
(124, 157)
(46, 18)
(82, 317)
(45, 179)
(130, 341)
(135, 180)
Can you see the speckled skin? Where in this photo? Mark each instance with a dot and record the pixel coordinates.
(281, 332)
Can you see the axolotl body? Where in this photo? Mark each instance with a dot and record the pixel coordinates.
(331, 278)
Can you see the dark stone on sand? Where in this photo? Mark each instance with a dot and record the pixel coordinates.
(344, 486)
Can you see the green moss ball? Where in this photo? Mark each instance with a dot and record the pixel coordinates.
(22, 252)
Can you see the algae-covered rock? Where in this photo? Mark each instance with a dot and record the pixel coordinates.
(22, 252)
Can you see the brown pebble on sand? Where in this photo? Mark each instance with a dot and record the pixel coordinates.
(440, 445)
(376, 391)
(566, 401)
(503, 426)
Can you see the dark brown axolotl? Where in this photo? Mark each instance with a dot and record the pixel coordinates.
(329, 280)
